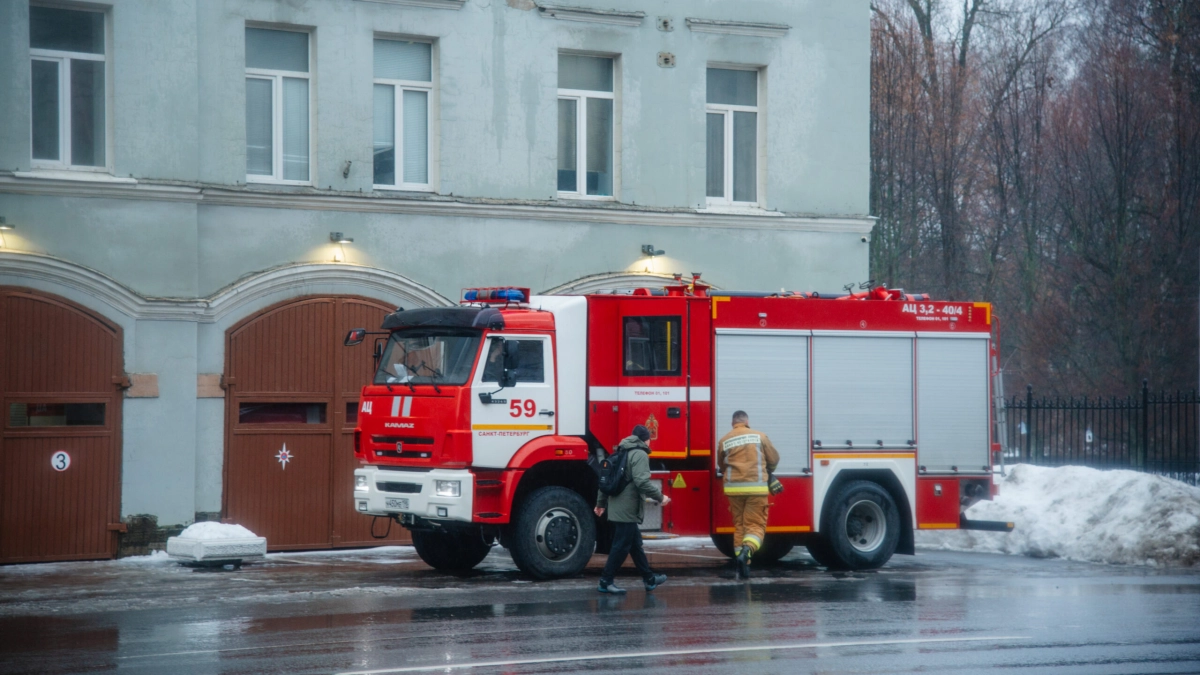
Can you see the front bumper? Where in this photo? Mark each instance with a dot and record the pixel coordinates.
(372, 500)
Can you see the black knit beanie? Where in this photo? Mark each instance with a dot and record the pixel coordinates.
(642, 433)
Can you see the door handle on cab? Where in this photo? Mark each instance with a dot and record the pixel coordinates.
(547, 413)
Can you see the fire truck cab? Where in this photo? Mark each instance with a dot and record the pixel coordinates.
(481, 419)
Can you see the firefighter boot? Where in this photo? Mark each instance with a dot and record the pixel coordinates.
(743, 562)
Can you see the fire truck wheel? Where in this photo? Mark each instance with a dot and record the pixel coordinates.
(451, 551)
(554, 534)
(724, 544)
(822, 552)
(862, 526)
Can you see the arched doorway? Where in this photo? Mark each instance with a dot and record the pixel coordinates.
(61, 375)
(291, 407)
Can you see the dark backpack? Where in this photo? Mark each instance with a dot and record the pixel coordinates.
(611, 472)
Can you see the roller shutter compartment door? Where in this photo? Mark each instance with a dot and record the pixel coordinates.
(952, 403)
(60, 460)
(766, 376)
(862, 391)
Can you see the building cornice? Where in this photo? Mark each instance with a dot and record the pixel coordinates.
(428, 4)
(748, 28)
(233, 300)
(614, 17)
(441, 206)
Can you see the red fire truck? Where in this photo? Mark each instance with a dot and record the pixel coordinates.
(481, 419)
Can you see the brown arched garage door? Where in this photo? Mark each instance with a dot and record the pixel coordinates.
(60, 459)
(292, 394)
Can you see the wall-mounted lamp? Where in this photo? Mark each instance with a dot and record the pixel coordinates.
(5, 226)
(648, 249)
(341, 240)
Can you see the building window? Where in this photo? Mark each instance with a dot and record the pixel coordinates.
(652, 345)
(403, 89)
(585, 126)
(277, 102)
(68, 94)
(732, 114)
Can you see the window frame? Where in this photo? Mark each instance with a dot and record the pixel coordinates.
(726, 110)
(398, 89)
(580, 96)
(276, 79)
(674, 344)
(63, 60)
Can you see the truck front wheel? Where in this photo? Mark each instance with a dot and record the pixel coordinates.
(860, 529)
(554, 534)
(453, 551)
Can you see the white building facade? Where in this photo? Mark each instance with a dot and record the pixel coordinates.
(173, 174)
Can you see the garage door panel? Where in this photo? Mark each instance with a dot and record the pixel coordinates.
(294, 383)
(47, 514)
(279, 487)
(51, 347)
(287, 350)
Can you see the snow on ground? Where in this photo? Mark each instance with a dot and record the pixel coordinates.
(1115, 517)
(210, 531)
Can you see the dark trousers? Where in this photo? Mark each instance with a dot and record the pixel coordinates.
(627, 539)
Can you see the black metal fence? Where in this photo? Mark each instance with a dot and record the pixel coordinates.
(1154, 433)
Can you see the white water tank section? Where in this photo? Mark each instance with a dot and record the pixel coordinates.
(570, 336)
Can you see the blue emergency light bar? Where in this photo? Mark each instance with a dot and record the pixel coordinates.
(495, 295)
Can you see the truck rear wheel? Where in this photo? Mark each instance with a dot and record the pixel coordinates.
(452, 551)
(554, 534)
(861, 527)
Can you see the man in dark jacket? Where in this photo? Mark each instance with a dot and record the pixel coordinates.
(625, 512)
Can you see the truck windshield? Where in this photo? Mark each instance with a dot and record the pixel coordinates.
(428, 356)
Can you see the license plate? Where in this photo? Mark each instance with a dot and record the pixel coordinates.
(396, 504)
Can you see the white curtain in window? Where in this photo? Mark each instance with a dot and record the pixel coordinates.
(745, 156)
(259, 150)
(715, 164)
(733, 87)
(566, 145)
(416, 137)
(87, 113)
(592, 73)
(45, 109)
(395, 60)
(295, 129)
(385, 135)
(599, 146)
(277, 50)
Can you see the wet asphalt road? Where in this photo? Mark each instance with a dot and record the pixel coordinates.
(386, 612)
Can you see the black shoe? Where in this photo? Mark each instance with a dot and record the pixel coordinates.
(743, 562)
(611, 587)
(655, 581)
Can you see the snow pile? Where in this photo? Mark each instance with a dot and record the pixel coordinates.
(210, 531)
(1116, 517)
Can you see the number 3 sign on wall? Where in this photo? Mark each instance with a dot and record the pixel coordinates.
(60, 461)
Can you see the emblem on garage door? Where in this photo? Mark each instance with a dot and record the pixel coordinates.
(61, 460)
(284, 456)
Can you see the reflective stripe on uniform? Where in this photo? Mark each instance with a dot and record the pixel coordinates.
(753, 540)
(746, 489)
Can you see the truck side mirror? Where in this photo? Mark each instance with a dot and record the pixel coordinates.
(512, 359)
(355, 337)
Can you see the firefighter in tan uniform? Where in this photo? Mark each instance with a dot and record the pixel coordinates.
(745, 458)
